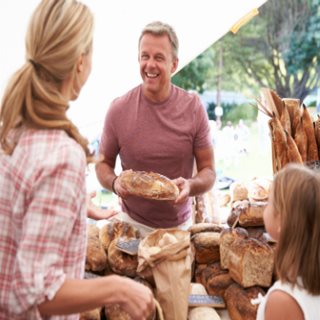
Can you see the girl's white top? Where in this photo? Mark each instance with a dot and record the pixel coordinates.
(309, 304)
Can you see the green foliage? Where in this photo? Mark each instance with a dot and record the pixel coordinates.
(233, 112)
(244, 111)
(194, 75)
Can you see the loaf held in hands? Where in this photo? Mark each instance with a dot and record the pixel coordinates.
(148, 185)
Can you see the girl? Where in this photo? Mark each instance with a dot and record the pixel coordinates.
(292, 218)
(42, 182)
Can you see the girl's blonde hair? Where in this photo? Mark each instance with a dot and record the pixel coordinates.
(60, 31)
(296, 194)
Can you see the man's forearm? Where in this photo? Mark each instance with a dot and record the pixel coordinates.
(105, 175)
(202, 182)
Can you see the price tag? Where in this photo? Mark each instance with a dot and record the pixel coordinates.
(204, 300)
(129, 246)
(90, 275)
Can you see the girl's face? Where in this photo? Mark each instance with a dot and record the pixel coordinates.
(271, 218)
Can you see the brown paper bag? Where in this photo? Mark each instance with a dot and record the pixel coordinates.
(170, 262)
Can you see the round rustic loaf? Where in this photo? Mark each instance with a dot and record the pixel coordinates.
(148, 185)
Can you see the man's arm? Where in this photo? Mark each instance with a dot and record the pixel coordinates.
(203, 180)
(108, 178)
(105, 173)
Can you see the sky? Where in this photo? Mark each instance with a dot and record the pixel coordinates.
(118, 24)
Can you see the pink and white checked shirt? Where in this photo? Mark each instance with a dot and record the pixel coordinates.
(42, 221)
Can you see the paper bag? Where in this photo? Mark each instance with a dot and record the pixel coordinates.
(168, 253)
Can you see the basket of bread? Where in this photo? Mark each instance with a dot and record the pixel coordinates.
(295, 136)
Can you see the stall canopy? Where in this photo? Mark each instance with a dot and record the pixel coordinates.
(118, 25)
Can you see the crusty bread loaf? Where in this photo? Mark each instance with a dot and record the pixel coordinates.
(238, 191)
(251, 263)
(106, 235)
(204, 227)
(91, 315)
(293, 106)
(114, 312)
(206, 246)
(208, 271)
(121, 262)
(198, 273)
(197, 288)
(257, 233)
(253, 215)
(238, 301)
(116, 229)
(227, 237)
(259, 189)
(96, 258)
(236, 208)
(148, 185)
(248, 213)
(217, 281)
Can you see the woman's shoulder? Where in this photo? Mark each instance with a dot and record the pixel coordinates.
(50, 145)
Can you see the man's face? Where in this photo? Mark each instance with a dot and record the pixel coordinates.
(156, 65)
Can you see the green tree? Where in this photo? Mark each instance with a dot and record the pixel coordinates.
(279, 49)
(194, 75)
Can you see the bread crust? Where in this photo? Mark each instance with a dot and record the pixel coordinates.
(148, 185)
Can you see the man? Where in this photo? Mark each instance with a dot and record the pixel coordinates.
(161, 128)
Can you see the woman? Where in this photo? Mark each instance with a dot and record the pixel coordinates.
(42, 162)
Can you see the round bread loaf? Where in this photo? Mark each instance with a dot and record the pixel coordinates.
(148, 185)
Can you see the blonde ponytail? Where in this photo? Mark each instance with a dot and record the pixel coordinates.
(59, 32)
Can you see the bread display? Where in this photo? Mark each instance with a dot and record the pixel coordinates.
(238, 301)
(294, 139)
(148, 185)
(232, 263)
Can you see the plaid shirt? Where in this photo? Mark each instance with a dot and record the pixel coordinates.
(42, 219)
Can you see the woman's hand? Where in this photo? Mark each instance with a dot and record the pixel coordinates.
(96, 213)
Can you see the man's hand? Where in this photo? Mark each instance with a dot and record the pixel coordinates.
(184, 187)
(120, 191)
